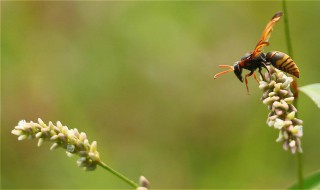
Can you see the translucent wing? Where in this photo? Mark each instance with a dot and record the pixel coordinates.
(266, 35)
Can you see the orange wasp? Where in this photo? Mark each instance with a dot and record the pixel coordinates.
(257, 59)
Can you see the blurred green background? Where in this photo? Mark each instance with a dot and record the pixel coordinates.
(138, 78)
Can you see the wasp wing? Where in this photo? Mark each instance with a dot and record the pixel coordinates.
(266, 35)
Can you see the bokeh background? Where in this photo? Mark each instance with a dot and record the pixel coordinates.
(138, 78)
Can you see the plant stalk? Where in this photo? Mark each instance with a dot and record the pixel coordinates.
(119, 175)
(295, 89)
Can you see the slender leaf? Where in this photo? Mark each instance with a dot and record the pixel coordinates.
(313, 91)
(311, 182)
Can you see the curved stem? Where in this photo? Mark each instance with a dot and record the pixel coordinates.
(295, 88)
(119, 175)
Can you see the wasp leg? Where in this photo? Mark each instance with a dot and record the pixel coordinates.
(246, 76)
(255, 77)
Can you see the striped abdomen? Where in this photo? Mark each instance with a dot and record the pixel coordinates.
(283, 62)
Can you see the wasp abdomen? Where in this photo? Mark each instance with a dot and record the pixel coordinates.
(283, 62)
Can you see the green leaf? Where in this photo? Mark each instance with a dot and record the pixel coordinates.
(311, 182)
(313, 91)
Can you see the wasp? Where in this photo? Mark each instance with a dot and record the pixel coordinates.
(258, 60)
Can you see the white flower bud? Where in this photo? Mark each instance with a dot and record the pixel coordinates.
(86, 144)
(271, 84)
(16, 132)
(291, 115)
(76, 132)
(289, 100)
(263, 85)
(142, 188)
(280, 137)
(39, 134)
(40, 142)
(69, 154)
(276, 104)
(93, 146)
(272, 94)
(83, 136)
(267, 101)
(45, 129)
(283, 92)
(276, 87)
(285, 145)
(270, 123)
(64, 130)
(41, 123)
(143, 182)
(22, 137)
(54, 137)
(284, 105)
(297, 130)
(54, 146)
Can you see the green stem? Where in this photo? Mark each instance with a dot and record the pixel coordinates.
(119, 175)
(286, 29)
(299, 166)
(290, 52)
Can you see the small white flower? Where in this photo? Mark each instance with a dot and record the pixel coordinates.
(22, 122)
(271, 123)
(292, 144)
(297, 130)
(278, 124)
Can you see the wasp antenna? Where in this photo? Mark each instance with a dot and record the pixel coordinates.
(278, 14)
(223, 72)
(226, 66)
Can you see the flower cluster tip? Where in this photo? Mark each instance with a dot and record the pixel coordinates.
(75, 142)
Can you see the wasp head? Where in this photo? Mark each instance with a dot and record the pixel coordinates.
(238, 70)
